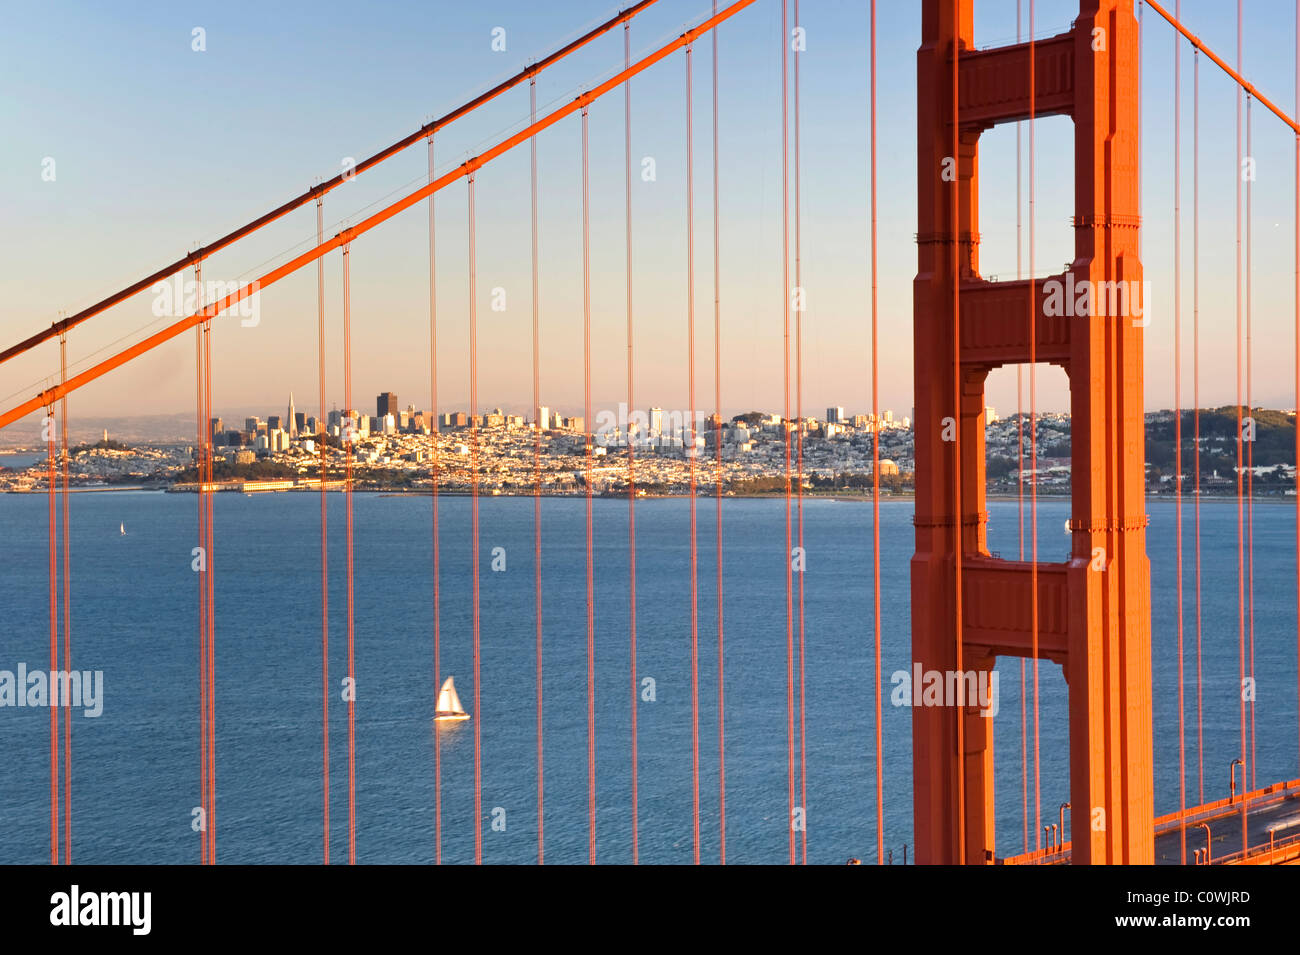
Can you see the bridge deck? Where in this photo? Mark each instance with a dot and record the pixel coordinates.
(1272, 831)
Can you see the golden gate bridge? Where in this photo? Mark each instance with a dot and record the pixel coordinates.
(1091, 613)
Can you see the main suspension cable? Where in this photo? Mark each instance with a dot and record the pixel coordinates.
(319, 190)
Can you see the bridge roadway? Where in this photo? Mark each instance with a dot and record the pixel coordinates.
(1272, 818)
(1272, 831)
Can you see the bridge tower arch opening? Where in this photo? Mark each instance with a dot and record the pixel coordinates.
(1092, 612)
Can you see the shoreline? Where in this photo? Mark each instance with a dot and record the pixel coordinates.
(704, 495)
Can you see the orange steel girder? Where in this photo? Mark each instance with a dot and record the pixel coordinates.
(1096, 623)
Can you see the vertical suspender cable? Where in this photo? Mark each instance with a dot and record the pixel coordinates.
(1033, 439)
(632, 477)
(349, 438)
(875, 467)
(54, 639)
(717, 446)
(474, 541)
(959, 710)
(67, 616)
(1250, 455)
(537, 468)
(1196, 403)
(631, 441)
(690, 458)
(1296, 459)
(798, 414)
(1178, 433)
(586, 427)
(201, 464)
(212, 597)
(434, 480)
(1020, 497)
(321, 433)
(785, 425)
(201, 424)
(1241, 544)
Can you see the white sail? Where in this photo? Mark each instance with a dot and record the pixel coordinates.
(448, 701)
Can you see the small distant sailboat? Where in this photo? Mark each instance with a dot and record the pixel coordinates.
(449, 707)
(121, 530)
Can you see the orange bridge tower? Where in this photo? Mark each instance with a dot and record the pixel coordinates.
(1092, 614)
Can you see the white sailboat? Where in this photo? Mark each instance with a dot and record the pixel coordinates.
(121, 530)
(449, 707)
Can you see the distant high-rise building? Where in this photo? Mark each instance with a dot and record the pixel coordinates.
(386, 404)
(274, 422)
(214, 427)
(990, 415)
(656, 421)
(292, 419)
(250, 424)
(300, 424)
(543, 418)
(835, 415)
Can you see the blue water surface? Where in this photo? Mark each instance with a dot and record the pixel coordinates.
(135, 775)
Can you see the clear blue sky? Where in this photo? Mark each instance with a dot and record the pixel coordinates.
(159, 148)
